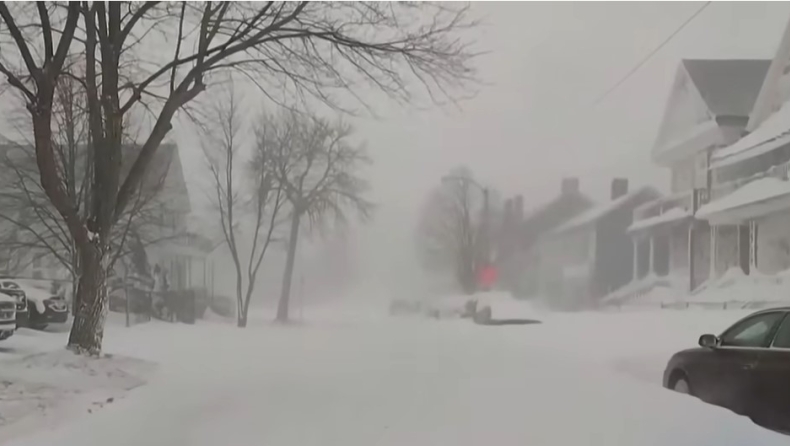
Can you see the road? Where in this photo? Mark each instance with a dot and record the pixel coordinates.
(391, 382)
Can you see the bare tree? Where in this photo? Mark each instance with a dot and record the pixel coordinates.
(449, 235)
(254, 208)
(317, 167)
(156, 57)
(30, 226)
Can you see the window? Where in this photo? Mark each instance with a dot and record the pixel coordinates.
(752, 332)
(782, 338)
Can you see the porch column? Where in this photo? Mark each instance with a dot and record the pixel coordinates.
(752, 246)
(652, 254)
(713, 231)
(635, 242)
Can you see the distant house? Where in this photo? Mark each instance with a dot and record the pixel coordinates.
(709, 108)
(522, 265)
(592, 254)
(162, 244)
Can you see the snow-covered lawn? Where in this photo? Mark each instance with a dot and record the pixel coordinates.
(360, 379)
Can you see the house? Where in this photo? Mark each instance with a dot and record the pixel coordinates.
(709, 108)
(159, 240)
(519, 259)
(592, 255)
(749, 206)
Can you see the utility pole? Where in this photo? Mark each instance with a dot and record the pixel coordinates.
(485, 227)
(485, 218)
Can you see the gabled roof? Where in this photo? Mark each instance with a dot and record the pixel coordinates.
(555, 212)
(709, 99)
(596, 213)
(165, 169)
(728, 86)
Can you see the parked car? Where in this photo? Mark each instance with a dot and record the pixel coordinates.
(45, 308)
(745, 369)
(7, 316)
(11, 288)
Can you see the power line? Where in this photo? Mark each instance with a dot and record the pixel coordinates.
(649, 55)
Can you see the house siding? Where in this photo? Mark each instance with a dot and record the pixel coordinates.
(614, 254)
(726, 248)
(773, 243)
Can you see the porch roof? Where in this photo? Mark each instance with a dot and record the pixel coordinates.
(771, 134)
(670, 217)
(756, 199)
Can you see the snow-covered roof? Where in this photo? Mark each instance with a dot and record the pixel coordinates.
(597, 212)
(754, 192)
(670, 216)
(773, 133)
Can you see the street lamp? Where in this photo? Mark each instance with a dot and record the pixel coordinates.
(485, 214)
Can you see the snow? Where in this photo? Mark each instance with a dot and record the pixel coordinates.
(579, 271)
(670, 216)
(759, 190)
(735, 289)
(650, 291)
(43, 385)
(37, 296)
(356, 378)
(773, 133)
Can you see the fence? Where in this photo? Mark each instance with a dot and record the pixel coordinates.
(732, 305)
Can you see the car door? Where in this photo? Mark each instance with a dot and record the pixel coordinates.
(730, 368)
(771, 402)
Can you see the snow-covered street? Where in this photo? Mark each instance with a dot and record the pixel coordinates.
(365, 379)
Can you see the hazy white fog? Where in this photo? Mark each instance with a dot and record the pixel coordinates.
(533, 120)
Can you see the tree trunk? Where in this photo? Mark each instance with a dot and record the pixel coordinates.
(285, 293)
(88, 328)
(241, 321)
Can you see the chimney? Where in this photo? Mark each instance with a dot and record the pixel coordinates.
(570, 185)
(518, 208)
(619, 187)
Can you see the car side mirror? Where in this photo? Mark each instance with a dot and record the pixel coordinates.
(709, 341)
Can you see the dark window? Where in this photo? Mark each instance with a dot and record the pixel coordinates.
(752, 332)
(782, 338)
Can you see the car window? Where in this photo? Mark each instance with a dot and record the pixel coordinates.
(752, 332)
(782, 337)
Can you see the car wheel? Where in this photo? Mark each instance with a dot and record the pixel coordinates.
(39, 326)
(681, 385)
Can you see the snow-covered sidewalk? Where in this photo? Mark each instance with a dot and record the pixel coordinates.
(391, 381)
(43, 385)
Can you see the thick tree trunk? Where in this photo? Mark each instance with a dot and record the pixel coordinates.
(285, 293)
(88, 328)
